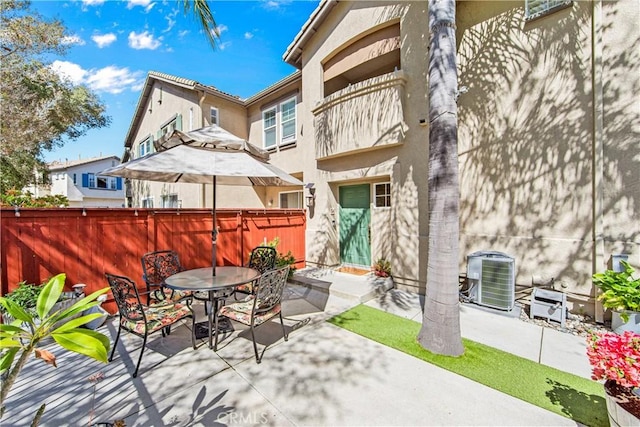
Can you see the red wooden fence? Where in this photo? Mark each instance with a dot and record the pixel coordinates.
(86, 243)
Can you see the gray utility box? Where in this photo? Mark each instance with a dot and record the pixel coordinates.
(549, 304)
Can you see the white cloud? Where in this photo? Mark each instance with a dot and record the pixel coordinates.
(112, 79)
(146, 4)
(275, 4)
(143, 41)
(224, 45)
(222, 28)
(170, 23)
(92, 2)
(104, 40)
(74, 39)
(183, 33)
(109, 79)
(70, 71)
(248, 35)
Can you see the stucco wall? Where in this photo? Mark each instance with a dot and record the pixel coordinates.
(538, 162)
(620, 100)
(398, 233)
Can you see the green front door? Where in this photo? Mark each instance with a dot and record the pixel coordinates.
(355, 216)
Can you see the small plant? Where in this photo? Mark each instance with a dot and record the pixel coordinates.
(283, 259)
(382, 268)
(620, 291)
(25, 295)
(615, 357)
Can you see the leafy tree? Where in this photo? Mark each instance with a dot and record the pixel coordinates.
(40, 109)
(440, 332)
(26, 200)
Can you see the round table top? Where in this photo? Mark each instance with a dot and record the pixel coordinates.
(202, 279)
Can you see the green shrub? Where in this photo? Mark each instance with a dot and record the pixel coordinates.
(283, 259)
(25, 295)
(620, 291)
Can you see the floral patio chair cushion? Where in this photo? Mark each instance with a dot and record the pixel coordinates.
(241, 312)
(158, 316)
(168, 295)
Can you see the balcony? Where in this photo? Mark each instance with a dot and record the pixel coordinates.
(364, 116)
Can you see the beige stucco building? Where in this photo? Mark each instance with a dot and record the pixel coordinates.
(549, 147)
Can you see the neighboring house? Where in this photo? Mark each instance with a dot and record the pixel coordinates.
(81, 182)
(548, 135)
(169, 102)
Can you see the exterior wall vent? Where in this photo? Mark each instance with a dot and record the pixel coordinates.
(491, 277)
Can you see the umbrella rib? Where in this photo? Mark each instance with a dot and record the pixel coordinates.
(178, 178)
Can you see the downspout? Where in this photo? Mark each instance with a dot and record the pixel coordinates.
(598, 261)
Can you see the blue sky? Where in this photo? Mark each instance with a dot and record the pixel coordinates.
(113, 44)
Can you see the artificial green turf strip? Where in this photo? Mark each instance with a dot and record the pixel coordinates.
(577, 398)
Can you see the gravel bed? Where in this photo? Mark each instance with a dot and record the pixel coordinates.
(576, 324)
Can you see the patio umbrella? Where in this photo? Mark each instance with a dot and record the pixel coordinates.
(206, 155)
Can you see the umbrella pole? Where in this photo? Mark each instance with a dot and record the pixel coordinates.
(214, 231)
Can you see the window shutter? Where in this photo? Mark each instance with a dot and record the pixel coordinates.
(85, 179)
(118, 183)
(179, 122)
(159, 134)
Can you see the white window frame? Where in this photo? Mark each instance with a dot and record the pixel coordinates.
(536, 8)
(145, 147)
(386, 195)
(165, 198)
(214, 112)
(300, 199)
(290, 139)
(147, 201)
(273, 127)
(169, 127)
(278, 126)
(110, 182)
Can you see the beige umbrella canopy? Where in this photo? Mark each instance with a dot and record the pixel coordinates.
(206, 155)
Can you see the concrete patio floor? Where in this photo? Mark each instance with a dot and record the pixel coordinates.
(322, 376)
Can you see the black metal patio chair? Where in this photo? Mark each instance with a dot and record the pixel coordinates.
(143, 320)
(156, 267)
(263, 258)
(265, 304)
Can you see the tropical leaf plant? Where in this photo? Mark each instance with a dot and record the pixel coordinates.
(620, 290)
(21, 338)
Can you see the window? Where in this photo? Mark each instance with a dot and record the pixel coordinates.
(279, 124)
(90, 180)
(75, 179)
(147, 202)
(145, 147)
(382, 195)
(537, 8)
(292, 200)
(214, 116)
(170, 201)
(173, 124)
(269, 126)
(288, 113)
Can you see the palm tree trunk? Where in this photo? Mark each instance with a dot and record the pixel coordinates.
(440, 332)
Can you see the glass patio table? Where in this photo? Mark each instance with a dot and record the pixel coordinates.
(203, 280)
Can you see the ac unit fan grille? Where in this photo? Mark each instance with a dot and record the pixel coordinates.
(497, 284)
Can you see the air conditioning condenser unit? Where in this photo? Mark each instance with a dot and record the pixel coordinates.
(491, 277)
